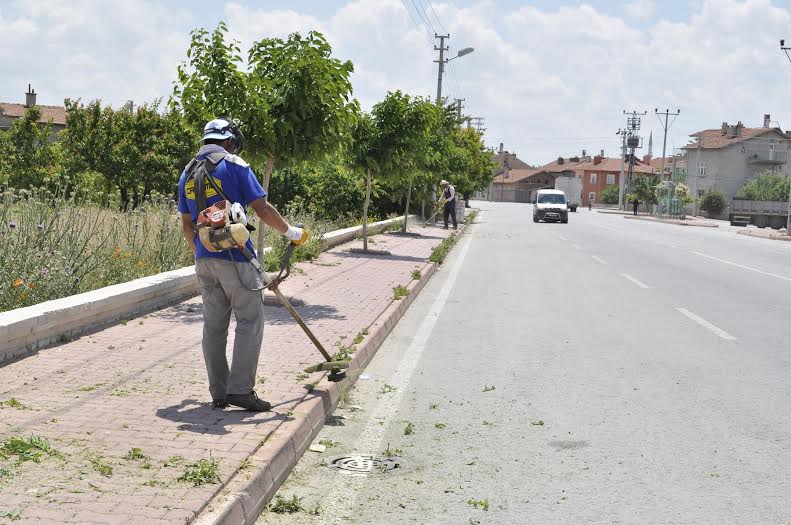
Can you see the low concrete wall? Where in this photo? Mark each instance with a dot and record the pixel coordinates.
(25, 330)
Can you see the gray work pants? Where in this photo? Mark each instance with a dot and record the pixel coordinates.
(226, 287)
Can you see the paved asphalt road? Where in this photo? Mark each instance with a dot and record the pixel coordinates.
(601, 371)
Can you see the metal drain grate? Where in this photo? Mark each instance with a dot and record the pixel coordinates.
(366, 464)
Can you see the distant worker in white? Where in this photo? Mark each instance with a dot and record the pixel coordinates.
(448, 201)
(219, 185)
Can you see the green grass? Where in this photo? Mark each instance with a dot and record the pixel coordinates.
(201, 472)
(470, 217)
(479, 503)
(358, 338)
(282, 505)
(386, 389)
(173, 461)
(344, 353)
(30, 449)
(416, 275)
(98, 464)
(409, 429)
(329, 443)
(135, 453)
(487, 388)
(440, 425)
(153, 483)
(13, 515)
(539, 423)
(399, 292)
(14, 403)
(439, 253)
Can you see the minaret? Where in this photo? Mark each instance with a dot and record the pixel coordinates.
(650, 144)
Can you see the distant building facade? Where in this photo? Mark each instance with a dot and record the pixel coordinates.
(10, 111)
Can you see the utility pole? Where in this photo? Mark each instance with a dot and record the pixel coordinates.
(459, 107)
(621, 132)
(478, 123)
(788, 219)
(632, 127)
(665, 126)
(441, 69)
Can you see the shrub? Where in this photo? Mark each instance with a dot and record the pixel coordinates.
(610, 195)
(712, 201)
(766, 186)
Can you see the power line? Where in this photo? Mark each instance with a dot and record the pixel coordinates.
(414, 23)
(422, 14)
(436, 17)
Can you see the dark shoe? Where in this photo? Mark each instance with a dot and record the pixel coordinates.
(219, 403)
(249, 401)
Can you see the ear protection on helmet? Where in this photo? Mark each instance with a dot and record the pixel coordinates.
(238, 136)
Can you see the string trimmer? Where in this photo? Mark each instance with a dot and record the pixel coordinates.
(223, 226)
(336, 368)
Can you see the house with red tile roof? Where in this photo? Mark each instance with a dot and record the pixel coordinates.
(10, 111)
(725, 158)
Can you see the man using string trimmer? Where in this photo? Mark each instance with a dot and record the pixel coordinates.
(215, 190)
(448, 202)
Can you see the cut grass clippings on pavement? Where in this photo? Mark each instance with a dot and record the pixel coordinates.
(105, 469)
(14, 403)
(201, 472)
(478, 503)
(12, 515)
(31, 449)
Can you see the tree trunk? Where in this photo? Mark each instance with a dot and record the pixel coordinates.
(269, 167)
(406, 209)
(365, 210)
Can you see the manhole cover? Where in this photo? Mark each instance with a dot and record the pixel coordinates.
(366, 464)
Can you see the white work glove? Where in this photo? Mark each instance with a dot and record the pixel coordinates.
(296, 235)
(237, 214)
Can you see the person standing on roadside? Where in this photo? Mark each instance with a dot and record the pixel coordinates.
(448, 200)
(635, 204)
(229, 283)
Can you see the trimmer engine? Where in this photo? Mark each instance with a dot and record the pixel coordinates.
(217, 232)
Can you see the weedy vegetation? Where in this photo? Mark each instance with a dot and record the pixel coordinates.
(202, 472)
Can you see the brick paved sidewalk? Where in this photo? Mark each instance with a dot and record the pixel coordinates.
(142, 385)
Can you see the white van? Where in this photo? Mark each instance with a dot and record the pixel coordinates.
(551, 205)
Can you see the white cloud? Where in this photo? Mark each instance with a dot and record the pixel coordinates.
(640, 9)
(548, 81)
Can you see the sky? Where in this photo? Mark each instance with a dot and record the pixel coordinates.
(549, 78)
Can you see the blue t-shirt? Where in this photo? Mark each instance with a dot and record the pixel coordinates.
(236, 180)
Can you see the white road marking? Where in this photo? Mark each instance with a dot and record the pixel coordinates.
(635, 281)
(562, 238)
(598, 259)
(756, 270)
(577, 247)
(705, 324)
(340, 501)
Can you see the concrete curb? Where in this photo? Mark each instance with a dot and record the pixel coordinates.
(25, 330)
(278, 455)
(670, 221)
(773, 236)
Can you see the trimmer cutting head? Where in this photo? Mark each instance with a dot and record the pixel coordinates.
(336, 369)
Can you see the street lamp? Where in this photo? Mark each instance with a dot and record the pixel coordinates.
(442, 61)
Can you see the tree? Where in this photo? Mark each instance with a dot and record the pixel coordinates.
(399, 151)
(477, 171)
(30, 159)
(365, 154)
(712, 201)
(644, 189)
(766, 186)
(293, 104)
(610, 194)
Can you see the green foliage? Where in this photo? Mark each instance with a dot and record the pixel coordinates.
(308, 94)
(29, 159)
(201, 472)
(137, 154)
(766, 186)
(416, 275)
(479, 503)
(282, 505)
(30, 449)
(54, 247)
(399, 292)
(644, 189)
(13, 515)
(100, 466)
(610, 194)
(135, 453)
(683, 194)
(439, 253)
(409, 429)
(712, 201)
(14, 403)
